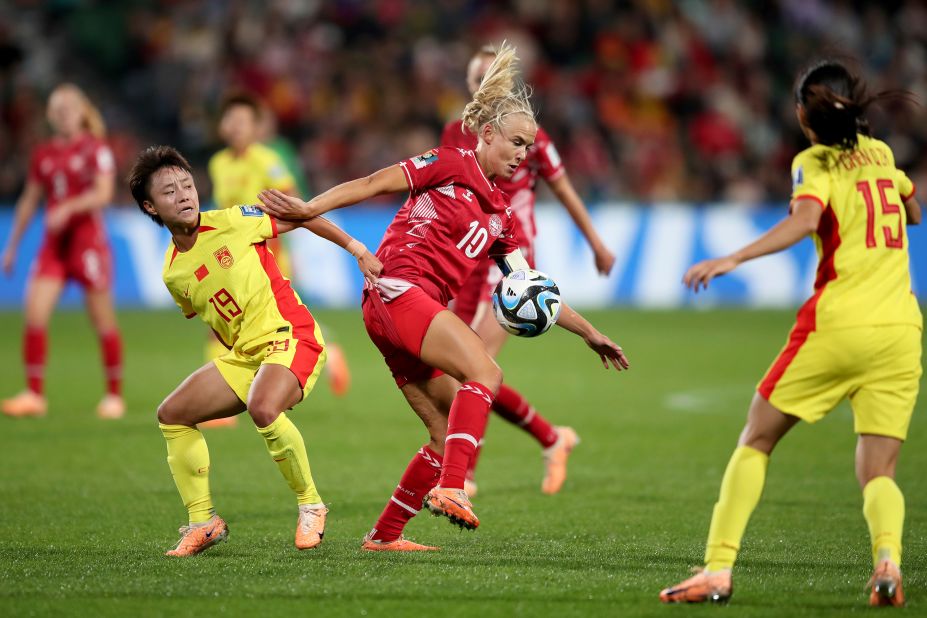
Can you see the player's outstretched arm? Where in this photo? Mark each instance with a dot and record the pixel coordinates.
(913, 209)
(566, 193)
(608, 350)
(26, 207)
(803, 220)
(388, 180)
(368, 263)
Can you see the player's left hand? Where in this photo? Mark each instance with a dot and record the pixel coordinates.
(608, 351)
(370, 266)
(57, 218)
(700, 274)
(604, 260)
(282, 206)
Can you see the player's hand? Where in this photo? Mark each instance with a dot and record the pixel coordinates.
(608, 351)
(370, 266)
(8, 260)
(283, 206)
(700, 274)
(57, 218)
(604, 260)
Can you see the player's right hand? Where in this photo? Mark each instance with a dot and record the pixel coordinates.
(608, 351)
(282, 206)
(700, 274)
(370, 266)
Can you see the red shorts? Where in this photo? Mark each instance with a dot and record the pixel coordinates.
(479, 286)
(398, 327)
(81, 254)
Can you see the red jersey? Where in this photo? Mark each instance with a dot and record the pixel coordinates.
(543, 160)
(66, 169)
(453, 219)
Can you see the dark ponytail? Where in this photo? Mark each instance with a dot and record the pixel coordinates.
(835, 103)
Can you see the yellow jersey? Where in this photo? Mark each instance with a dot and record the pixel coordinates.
(231, 280)
(238, 179)
(863, 276)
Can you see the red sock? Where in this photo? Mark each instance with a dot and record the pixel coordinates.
(111, 345)
(35, 349)
(419, 478)
(473, 461)
(514, 408)
(466, 425)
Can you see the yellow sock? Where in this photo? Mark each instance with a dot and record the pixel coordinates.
(285, 444)
(188, 459)
(883, 508)
(741, 489)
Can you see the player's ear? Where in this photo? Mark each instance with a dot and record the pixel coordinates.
(149, 208)
(487, 132)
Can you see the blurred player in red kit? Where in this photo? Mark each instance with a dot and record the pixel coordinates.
(473, 304)
(454, 218)
(75, 173)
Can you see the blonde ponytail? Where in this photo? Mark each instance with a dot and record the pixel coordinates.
(501, 92)
(93, 120)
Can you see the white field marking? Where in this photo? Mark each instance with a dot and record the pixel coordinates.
(708, 399)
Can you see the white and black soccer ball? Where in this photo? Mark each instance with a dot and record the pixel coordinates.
(526, 303)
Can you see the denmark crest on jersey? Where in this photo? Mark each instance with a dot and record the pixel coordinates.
(224, 257)
(426, 158)
(495, 226)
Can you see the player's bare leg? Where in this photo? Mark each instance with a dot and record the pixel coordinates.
(740, 493)
(557, 443)
(883, 508)
(451, 346)
(430, 400)
(275, 389)
(214, 349)
(100, 308)
(41, 298)
(202, 396)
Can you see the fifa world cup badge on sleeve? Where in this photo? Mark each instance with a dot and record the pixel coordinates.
(224, 257)
(251, 211)
(426, 158)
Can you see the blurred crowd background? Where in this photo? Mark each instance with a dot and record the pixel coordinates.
(650, 100)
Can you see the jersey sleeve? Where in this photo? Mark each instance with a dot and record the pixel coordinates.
(509, 240)
(904, 185)
(810, 180)
(253, 223)
(550, 166)
(103, 160)
(431, 169)
(278, 176)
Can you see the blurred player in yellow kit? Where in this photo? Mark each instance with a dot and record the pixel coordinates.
(242, 170)
(857, 337)
(219, 267)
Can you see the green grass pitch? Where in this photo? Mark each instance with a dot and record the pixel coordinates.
(87, 507)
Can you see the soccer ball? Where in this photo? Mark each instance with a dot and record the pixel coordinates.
(526, 303)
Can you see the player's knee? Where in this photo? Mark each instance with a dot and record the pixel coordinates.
(169, 413)
(488, 373)
(262, 412)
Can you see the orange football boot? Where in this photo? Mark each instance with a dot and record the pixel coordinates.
(111, 407)
(471, 488)
(195, 539)
(555, 459)
(453, 504)
(886, 586)
(400, 544)
(310, 527)
(26, 403)
(714, 587)
(339, 376)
